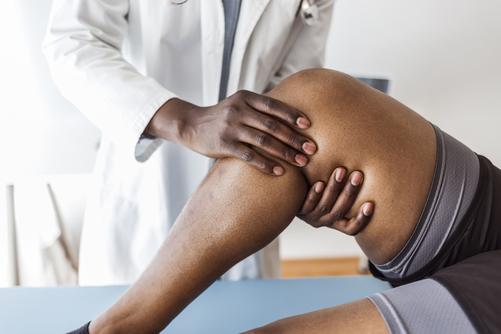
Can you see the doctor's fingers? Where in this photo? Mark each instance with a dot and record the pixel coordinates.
(274, 127)
(275, 108)
(348, 196)
(332, 193)
(356, 224)
(336, 217)
(320, 200)
(312, 198)
(253, 158)
(272, 146)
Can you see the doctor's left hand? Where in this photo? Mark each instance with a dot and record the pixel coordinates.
(242, 126)
(328, 204)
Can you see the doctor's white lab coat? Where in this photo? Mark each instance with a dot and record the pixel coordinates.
(118, 61)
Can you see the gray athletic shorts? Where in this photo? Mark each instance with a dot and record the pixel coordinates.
(461, 218)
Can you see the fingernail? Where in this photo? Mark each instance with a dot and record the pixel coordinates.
(339, 174)
(319, 187)
(309, 148)
(356, 178)
(301, 159)
(277, 170)
(367, 209)
(303, 123)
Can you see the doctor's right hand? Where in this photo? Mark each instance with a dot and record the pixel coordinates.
(242, 126)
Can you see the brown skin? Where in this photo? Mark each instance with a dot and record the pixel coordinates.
(246, 125)
(363, 129)
(328, 205)
(238, 127)
(238, 210)
(358, 317)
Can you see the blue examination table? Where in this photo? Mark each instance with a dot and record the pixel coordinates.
(226, 307)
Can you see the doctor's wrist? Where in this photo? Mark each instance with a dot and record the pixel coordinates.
(168, 121)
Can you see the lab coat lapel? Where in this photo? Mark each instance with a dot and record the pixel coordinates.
(212, 25)
(250, 13)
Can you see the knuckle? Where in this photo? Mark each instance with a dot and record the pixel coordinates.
(315, 223)
(324, 210)
(263, 165)
(269, 103)
(246, 155)
(289, 155)
(322, 222)
(336, 215)
(230, 111)
(226, 139)
(262, 139)
(227, 135)
(241, 94)
(271, 124)
(310, 218)
(293, 140)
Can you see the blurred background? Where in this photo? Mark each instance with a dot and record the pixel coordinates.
(441, 57)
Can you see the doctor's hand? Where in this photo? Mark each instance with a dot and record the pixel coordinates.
(243, 126)
(328, 205)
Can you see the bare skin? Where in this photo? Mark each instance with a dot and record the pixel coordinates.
(246, 125)
(237, 210)
(362, 129)
(358, 317)
(327, 204)
(240, 126)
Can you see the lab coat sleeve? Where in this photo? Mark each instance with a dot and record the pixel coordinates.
(308, 50)
(83, 46)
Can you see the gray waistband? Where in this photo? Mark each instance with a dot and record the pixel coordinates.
(422, 307)
(453, 187)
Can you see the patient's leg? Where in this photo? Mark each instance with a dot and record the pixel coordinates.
(237, 210)
(363, 129)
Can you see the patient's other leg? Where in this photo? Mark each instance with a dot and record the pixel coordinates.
(360, 316)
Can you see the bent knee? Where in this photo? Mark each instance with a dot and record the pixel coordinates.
(337, 106)
(319, 85)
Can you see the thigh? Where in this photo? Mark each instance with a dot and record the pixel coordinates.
(361, 128)
(358, 317)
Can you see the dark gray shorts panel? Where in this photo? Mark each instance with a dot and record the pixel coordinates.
(475, 283)
(420, 308)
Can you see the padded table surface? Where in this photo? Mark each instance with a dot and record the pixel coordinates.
(226, 307)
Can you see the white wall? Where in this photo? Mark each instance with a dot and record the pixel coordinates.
(443, 57)
(444, 60)
(40, 132)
